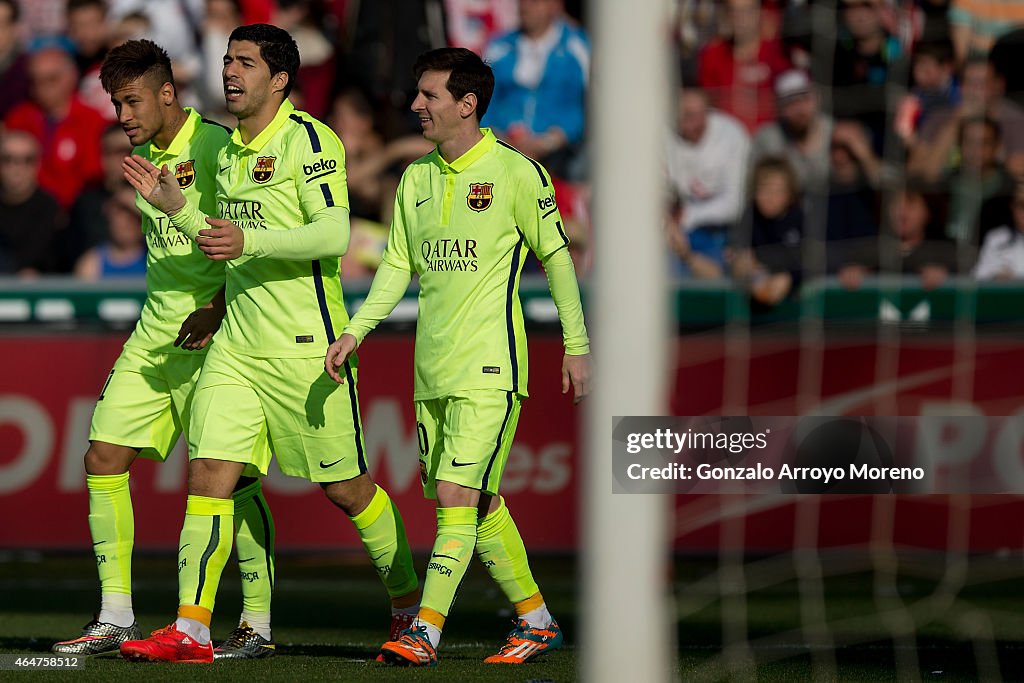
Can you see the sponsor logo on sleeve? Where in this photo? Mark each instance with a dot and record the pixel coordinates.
(319, 169)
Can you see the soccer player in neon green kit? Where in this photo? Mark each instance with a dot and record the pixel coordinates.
(464, 216)
(146, 401)
(282, 225)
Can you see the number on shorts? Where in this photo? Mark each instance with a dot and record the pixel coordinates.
(421, 437)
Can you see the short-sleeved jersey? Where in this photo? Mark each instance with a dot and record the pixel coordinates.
(179, 277)
(293, 169)
(464, 227)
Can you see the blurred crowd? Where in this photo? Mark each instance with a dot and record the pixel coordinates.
(810, 137)
(66, 208)
(847, 138)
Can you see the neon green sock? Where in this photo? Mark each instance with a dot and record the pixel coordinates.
(453, 548)
(500, 547)
(254, 541)
(112, 524)
(202, 554)
(381, 529)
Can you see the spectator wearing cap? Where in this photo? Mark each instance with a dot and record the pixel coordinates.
(706, 157)
(800, 133)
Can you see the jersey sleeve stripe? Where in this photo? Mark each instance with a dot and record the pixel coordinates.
(328, 197)
(314, 139)
(558, 224)
(321, 298)
(497, 445)
(510, 294)
(354, 402)
(211, 546)
(540, 171)
(268, 537)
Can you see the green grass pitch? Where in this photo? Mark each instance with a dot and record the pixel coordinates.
(330, 617)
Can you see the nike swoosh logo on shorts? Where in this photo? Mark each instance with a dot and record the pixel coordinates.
(331, 464)
(456, 463)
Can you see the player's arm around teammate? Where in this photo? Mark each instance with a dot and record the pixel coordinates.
(282, 225)
(145, 403)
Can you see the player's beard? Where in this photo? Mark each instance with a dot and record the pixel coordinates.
(249, 104)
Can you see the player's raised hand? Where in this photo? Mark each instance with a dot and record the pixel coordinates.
(222, 242)
(337, 354)
(158, 186)
(576, 374)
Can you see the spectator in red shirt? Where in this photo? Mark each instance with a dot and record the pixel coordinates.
(68, 131)
(739, 71)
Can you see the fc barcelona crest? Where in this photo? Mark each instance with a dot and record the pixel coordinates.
(185, 173)
(264, 169)
(480, 196)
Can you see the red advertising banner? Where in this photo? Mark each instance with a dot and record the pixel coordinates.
(48, 386)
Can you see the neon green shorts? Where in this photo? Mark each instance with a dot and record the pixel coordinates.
(312, 423)
(465, 438)
(146, 400)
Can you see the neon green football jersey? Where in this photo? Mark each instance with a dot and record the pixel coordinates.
(465, 228)
(294, 168)
(179, 277)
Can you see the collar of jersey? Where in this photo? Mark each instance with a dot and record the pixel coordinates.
(472, 154)
(177, 145)
(257, 143)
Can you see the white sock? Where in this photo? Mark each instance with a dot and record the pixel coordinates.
(538, 618)
(197, 629)
(116, 609)
(433, 632)
(414, 610)
(260, 622)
